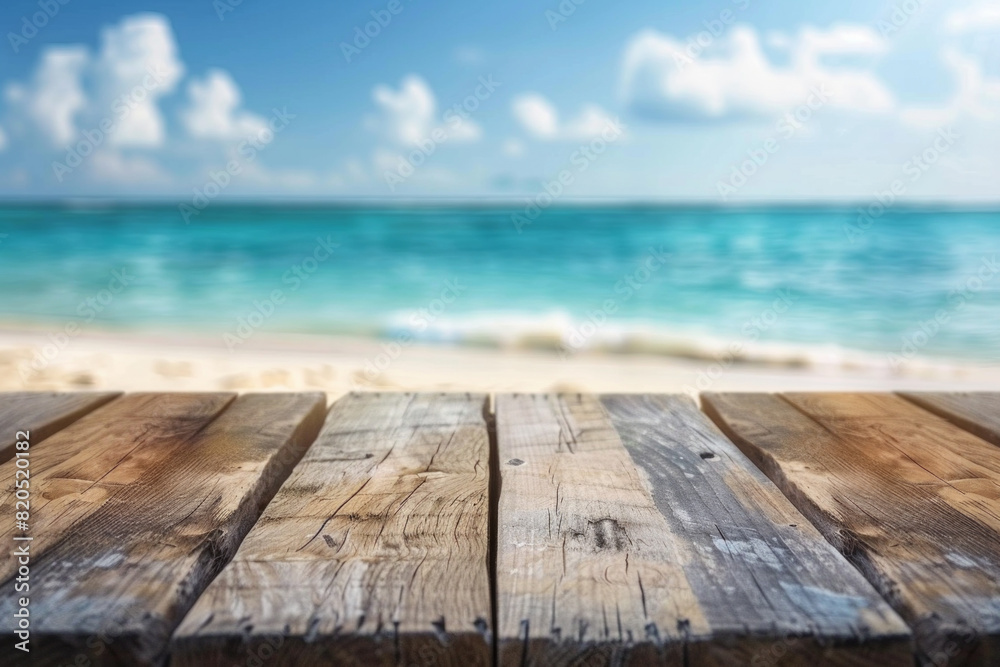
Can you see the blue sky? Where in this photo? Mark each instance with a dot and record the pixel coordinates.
(727, 101)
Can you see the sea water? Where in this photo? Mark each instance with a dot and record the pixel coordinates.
(783, 284)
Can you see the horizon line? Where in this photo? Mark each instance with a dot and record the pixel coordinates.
(493, 202)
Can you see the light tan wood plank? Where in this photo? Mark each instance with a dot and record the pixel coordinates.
(179, 481)
(978, 412)
(81, 467)
(913, 500)
(42, 414)
(630, 531)
(374, 552)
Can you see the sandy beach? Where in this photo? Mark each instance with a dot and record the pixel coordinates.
(132, 361)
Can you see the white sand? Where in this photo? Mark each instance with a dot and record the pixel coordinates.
(162, 362)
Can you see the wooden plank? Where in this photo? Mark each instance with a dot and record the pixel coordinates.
(82, 466)
(42, 414)
(630, 531)
(159, 500)
(913, 500)
(374, 552)
(978, 413)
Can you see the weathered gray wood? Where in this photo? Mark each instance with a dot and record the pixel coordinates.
(135, 528)
(373, 553)
(913, 500)
(978, 413)
(42, 413)
(630, 531)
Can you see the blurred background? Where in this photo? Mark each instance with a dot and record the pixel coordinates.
(519, 196)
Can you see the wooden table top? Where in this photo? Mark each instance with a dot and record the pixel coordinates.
(517, 529)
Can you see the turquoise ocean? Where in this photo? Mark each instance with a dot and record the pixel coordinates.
(782, 284)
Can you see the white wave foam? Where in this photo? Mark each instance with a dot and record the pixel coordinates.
(558, 331)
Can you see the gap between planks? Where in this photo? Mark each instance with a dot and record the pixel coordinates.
(374, 552)
(489, 414)
(496, 490)
(142, 502)
(908, 496)
(594, 479)
(42, 414)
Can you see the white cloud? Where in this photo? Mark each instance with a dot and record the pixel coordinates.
(112, 166)
(386, 160)
(54, 98)
(408, 113)
(137, 65)
(976, 94)
(408, 116)
(74, 95)
(541, 119)
(977, 17)
(591, 122)
(72, 91)
(215, 110)
(732, 76)
(537, 115)
(840, 39)
(513, 148)
(3, 140)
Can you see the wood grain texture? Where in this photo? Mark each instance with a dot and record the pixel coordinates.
(768, 584)
(42, 413)
(978, 413)
(911, 499)
(374, 552)
(81, 467)
(630, 531)
(143, 510)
